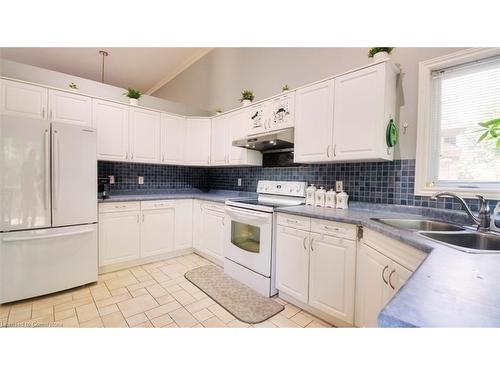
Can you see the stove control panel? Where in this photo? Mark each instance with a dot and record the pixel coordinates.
(289, 188)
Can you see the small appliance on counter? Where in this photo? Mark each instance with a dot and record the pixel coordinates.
(319, 197)
(342, 199)
(310, 193)
(331, 198)
(103, 188)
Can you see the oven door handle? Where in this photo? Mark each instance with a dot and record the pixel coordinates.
(248, 215)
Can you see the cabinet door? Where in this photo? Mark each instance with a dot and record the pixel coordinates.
(372, 291)
(198, 141)
(212, 237)
(292, 262)
(173, 135)
(398, 276)
(119, 237)
(332, 276)
(70, 108)
(183, 224)
(197, 224)
(112, 123)
(236, 129)
(258, 118)
(282, 115)
(218, 154)
(21, 99)
(358, 122)
(157, 231)
(314, 123)
(145, 135)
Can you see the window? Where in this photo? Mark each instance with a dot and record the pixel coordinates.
(456, 94)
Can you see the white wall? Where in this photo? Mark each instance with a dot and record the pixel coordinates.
(217, 79)
(30, 73)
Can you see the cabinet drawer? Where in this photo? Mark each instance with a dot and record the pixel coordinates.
(334, 228)
(213, 206)
(292, 221)
(119, 206)
(156, 205)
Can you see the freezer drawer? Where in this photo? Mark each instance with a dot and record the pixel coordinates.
(38, 262)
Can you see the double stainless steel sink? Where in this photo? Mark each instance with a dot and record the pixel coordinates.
(459, 237)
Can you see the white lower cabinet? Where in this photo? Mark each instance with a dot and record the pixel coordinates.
(119, 233)
(157, 231)
(383, 266)
(317, 269)
(197, 216)
(183, 224)
(292, 265)
(209, 221)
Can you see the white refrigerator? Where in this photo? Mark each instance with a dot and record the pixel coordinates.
(48, 207)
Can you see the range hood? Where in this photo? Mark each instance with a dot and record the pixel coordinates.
(276, 141)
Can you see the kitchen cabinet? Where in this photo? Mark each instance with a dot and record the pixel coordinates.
(112, 123)
(316, 264)
(22, 99)
(197, 144)
(226, 129)
(383, 266)
(258, 117)
(282, 114)
(292, 262)
(361, 134)
(119, 233)
(197, 226)
(157, 230)
(144, 135)
(183, 224)
(70, 108)
(209, 220)
(314, 123)
(173, 139)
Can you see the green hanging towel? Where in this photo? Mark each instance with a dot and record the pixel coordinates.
(391, 134)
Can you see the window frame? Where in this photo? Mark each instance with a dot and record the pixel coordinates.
(425, 147)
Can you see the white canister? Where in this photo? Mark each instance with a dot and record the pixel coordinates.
(319, 197)
(310, 192)
(342, 199)
(331, 198)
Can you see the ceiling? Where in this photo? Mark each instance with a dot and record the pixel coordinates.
(145, 69)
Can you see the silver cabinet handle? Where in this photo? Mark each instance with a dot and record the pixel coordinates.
(334, 150)
(137, 217)
(290, 221)
(328, 151)
(390, 278)
(143, 217)
(312, 241)
(55, 169)
(131, 156)
(126, 155)
(304, 244)
(124, 206)
(383, 274)
(208, 159)
(163, 157)
(50, 115)
(47, 168)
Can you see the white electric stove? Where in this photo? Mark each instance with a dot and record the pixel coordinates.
(249, 245)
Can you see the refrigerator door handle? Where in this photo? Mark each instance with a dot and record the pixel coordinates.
(41, 236)
(47, 168)
(55, 169)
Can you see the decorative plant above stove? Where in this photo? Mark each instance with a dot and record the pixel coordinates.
(492, 131)
(285, 87)
(247, 95)
(375, 50)
(133, 93)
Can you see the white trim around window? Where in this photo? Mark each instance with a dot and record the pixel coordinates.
(424, 173)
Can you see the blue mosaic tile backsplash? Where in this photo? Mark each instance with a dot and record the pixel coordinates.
(374, 182)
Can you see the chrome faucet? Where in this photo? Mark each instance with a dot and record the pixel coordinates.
(483, 220)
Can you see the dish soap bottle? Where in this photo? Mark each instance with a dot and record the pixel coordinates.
(331, 198)
(310, 193)
(319, 197)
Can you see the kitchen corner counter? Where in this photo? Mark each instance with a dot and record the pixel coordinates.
(219, 196)
(450, 288)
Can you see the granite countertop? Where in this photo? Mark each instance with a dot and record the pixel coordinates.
(219, 196)
(450, 288)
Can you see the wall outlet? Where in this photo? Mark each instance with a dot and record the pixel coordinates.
(140, 180)
(239, 181)
(111, 180)
(339, 186)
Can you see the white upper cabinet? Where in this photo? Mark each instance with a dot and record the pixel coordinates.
(365, 101)
(282, 114)
(112, 123)
(144, 135)
(70, 108)
(314, 123)
(173, 137)
(197, 144)
(21, 99)
(218, 153)
(259, 118)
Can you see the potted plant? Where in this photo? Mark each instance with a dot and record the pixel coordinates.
(73, 86)
(285, 88)
(380, 53)
(491, 131)
(133, 96)
(246, 97)
(218, 111)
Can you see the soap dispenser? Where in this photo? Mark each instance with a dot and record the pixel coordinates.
(310, 193)
(319, 197)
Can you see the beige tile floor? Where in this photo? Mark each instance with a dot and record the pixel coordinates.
(151, 295)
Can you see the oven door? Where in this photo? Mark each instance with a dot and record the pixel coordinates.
(248, 239)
